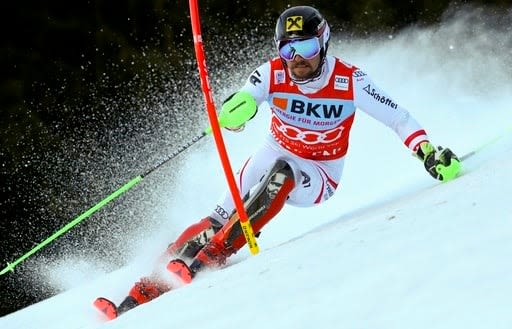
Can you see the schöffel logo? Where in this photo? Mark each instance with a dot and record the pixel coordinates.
(316, 110)
(383, 99)
(341, 82)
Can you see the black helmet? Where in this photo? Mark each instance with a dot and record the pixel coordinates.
(302, 22)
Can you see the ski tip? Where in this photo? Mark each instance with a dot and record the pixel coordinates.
(181, 270)
(106, 307)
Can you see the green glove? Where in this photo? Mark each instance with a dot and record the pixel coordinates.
(236, 110)
(442, 164)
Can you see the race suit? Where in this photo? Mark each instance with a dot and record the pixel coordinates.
(310, 127)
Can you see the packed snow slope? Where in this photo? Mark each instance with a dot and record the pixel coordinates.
(393, 249)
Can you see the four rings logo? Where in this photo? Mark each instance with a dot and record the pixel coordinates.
(341, 82)
(292, 133)
(221, 212)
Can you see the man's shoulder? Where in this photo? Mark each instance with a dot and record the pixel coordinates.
(344, 64)
(264, 68)
(276, 63)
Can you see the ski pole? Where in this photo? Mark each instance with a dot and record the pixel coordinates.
(486, 144)
(101, 204)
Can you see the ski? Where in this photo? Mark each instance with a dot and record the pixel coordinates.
(106, 307)
(181, 270)
(178, 268)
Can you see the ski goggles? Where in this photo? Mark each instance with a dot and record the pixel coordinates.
(305, 48)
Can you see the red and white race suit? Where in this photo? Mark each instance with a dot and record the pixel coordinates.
(310, 127)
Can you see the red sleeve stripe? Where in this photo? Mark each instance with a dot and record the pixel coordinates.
(415, 138)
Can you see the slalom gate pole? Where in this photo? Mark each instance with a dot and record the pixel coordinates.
(99, 205)
(214, 123)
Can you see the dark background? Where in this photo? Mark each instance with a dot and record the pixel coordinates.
(88, 100)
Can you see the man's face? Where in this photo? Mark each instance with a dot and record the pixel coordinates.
(275, 184)
(303, 69)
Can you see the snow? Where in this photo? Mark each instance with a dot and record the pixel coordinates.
(392, 249)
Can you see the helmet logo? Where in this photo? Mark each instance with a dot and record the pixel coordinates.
(294, 23)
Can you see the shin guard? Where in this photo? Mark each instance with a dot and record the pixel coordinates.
(261, 206)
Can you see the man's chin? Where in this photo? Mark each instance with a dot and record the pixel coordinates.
(301, 73)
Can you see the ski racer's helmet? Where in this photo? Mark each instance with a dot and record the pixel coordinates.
(302, 23)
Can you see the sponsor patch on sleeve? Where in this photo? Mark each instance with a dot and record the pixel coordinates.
(358, 74)
(279, 77)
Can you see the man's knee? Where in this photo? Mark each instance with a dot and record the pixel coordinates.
(194, 238)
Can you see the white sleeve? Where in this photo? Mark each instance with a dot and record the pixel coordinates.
(258, 83)
(372, 100)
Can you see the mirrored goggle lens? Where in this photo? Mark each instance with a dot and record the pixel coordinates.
(307, 49)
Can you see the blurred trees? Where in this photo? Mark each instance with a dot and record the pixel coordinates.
(54, 51)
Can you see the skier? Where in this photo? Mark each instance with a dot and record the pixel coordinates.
(313, 99)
